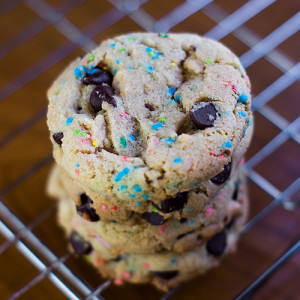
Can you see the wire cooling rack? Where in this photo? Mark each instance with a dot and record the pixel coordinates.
(42, 36)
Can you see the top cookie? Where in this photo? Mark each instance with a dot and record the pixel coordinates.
(145, 116)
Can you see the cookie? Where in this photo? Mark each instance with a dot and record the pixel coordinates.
(172, 234)
(165, 269)
(145, 118)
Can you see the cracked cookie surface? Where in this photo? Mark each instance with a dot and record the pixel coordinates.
(146, 116)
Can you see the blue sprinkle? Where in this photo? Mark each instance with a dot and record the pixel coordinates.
(177, 98)
(112, 45)
(196, 184)
(148, 49)
(244, 130)
(117, 61)
(146, 196)
(138, 204)
(243, 114)
(157, 126)
(172, 101)
(156, 55)
(122, 174)
(169, 141)
(132, 195)
(114, 221)
(115, 71)
(129, 67)
(77, 72)
(77, 165)
(106, 196)
(192, 223)
(243, 98)
(137, 188)
(177, 160)
(149, 69)
(123, 187)
(173, 260)
(132, 137)
(172, 91)
(63, 83)
(189, 210)
(69, 121)
(92, 70)
(227, 144)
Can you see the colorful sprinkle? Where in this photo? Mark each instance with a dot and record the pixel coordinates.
(115, 207)
(83, 133)
(146, 196)
(164, 35)
(208, 61)
(192, 223)
(177, 98)
(243, 98)
(227, 144)
(113, 221)
(126, 275)
(123, 173)
(155, 210)
(131, 137)
(80, 71)
(157, 55)
(131, 38)
(118, 281)
(123, 141)
(123, 187)
(172, 91)
(177, 160)
(77, 165)
(77, 131)
(169, 141)
(243, 114)
(157, 126)
(173, 63)
(112, 45)
(131, 195)
(117, 61)
(88, 258)
(189, 210)
(104, 207)
(149, 69)
(122, 50)
(91, 57)
(115, 71)
(94, 143)
(100, 261)
(173, 260)
(163, 229)
(209, 211)
(69, 121)
(163, 119)
(77, 172)
(146, 265)
(138, 204)
(137, 188)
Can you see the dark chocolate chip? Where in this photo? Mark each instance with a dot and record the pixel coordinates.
(183, 220)
(172, 204)
(100, 94)
(180, 236)
(223, 176)
(79, 245)
(205, 116)
(150, 107)
(217, 244)
(85, 207)
(57, 137)
(231, 223)
(97, 76)
(117, 259)
(165, 274)
(153, 218)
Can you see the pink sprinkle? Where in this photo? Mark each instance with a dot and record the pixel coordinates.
(101, 240)
(242, 161)
(228, 83)
(77, 172)
(124, 114)
(118, 281)
(163, 229)
(84, 141)
(146, 265)
(222, 156)
(104, 207)
(126, 275)
(125, 158)
(234, 88)
(156, 140)
(100, 261)
(209, 211)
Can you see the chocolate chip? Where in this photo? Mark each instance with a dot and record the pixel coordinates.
(172, 204)
(57, 137)
(85, 207)
(183, 220)
(223, 176)
(153, 218)
(217, 244)
(180, 236)
(165, 274)
(79, 245)
(97, 76)
(117, 259)
(100, 94)
(150, 107)
(204, 116)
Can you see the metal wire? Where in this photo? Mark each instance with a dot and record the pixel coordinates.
(226, 24)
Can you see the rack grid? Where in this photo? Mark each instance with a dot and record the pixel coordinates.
(227, 21)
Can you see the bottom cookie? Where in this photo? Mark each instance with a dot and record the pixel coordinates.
(164, 269)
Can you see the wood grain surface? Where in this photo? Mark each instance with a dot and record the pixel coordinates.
(33, 51)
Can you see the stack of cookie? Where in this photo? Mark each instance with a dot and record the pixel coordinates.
(149, 131)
